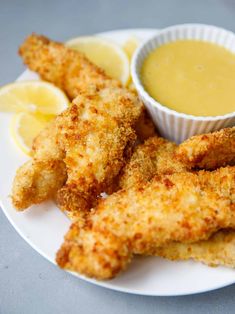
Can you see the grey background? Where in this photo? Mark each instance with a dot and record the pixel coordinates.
(29, 283)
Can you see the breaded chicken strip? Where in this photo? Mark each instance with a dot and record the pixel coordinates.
(182, 207)
(219, 249)
(73, 73)
(155, 156)
(96, 145)
(209, 151)
(64, 67)
(91, 137)
(41, 177)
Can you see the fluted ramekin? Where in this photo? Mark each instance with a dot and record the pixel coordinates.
(171, 124)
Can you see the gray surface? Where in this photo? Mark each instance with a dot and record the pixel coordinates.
(29, 283)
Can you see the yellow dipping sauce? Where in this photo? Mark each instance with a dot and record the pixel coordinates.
(192, 77)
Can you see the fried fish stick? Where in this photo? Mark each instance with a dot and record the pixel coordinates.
(182, 207)
(218, 250)
(209, 151)
(93, 135)
(155, 156)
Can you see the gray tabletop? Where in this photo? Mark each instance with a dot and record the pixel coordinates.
(28, 282)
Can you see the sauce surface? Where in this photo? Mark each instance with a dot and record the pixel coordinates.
(193, 77)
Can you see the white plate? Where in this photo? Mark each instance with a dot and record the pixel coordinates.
(44, 226)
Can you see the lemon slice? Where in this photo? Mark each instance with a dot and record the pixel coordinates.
(105, 54)
(32, 96)
(130, 46)
(25, 127)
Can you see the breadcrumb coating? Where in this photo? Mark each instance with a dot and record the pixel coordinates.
(91, 137)
(95, 254)
(40, 178)
(66, 68)
(182, 207)
(219, 249)
(155, 156)
(145, 127)
(74, 73)
(209, 151)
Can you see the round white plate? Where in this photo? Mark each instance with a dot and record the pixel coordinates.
(44, 226)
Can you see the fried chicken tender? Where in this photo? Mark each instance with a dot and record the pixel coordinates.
(182, 207)
(95, 148)
(96, 254)
(155, 156)
(219, 249)
(66, 68)
(91, 137)
(72, 72)
(209, 151)
(40, 178)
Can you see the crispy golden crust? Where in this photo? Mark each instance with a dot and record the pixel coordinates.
(40, 178)
(109, 255)
(145, 127)
(219, 249)
(64, 67)
(37, 181)
(94, 134)
(95, 149)
(182, 207)
(155, 156)
(209, 151)
(69, 199)
(72, 72)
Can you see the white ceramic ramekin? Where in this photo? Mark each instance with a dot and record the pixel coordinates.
(174, 125)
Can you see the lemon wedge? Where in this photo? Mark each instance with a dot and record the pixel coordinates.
(32, 96)
(105, 54)
(24, 127)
